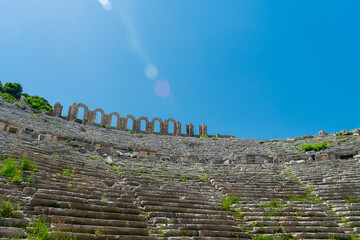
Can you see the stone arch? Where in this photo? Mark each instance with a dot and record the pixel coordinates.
(103, 116)
(146, 124)
(166, 126)
(118, 119)
(86, 112)
(161, 125)
(133, 125)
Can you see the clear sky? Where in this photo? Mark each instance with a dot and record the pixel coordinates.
(252, 68)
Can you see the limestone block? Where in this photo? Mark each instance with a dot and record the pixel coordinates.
(109, 160)
(134, 154)
(29, 190)
(144, 153)
(323, 133)
(22, 102)
(2, 126)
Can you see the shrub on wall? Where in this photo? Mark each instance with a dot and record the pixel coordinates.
(11, 93)
(38, 103)
(316, 147)
(8, 98)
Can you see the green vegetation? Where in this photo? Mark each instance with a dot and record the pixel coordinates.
(184, 179)
(67, 140)
(161, 232)
(131, 131)
(38, 103)
(145, 214)
(68, 173)
(14, 89)
(103, 198)
(27, 164)
(11, 93)
(92, 157)
(273, 208)
(11, 170)
(214, 138)
(256, 224)
(8, 98)
(7, 209)
(316, 147)
(204, 136)
(352, 199)
(55, 155)
(226, 206)
(38, 229)
(204, 178)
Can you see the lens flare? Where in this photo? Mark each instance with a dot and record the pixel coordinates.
(106, 4)
(103, 2)
(151, 71)
(162, 88)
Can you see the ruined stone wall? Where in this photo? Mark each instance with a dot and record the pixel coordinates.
(123, 123)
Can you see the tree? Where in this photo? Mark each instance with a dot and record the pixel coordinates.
(38, 103)
(14, 89)
(1, 86)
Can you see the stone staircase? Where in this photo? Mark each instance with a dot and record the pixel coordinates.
(268, 201)
(337, 185)
(82, 197)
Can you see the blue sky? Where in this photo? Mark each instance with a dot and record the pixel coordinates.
(255, 69)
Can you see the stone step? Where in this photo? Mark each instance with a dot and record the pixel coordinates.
(56, 219)
(87, 214)
(175, 220)
(108, 230)
(180, 215)
(87, 236)
(225, 234)
(151, 208)
(305, 235)
(217, 227)
(14, 222)
(11, 232)
(78, 198)
(209, 202)
(199, 205)
(105, 207)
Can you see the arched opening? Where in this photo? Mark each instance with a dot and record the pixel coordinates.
(65, 112)
(143, 125)
(114, 119)
(183, 128)
(130, 123)
(81, 113)
(171, 127)
(196, 130)
(156, 126)
(98, 117)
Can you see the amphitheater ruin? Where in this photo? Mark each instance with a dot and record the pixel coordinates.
(75, 179)
(123, 122)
